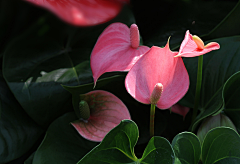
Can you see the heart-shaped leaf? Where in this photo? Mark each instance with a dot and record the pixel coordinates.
(118, 144)
(18, 132)
(158, 151)
(62, 144)
(187, 148)
(221, 143)
(213, 81)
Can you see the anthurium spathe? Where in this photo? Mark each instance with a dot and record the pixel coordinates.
(106, 112)
(117, 49)
(158, 65)
(179, 109)
(84, 12)
(193, 46)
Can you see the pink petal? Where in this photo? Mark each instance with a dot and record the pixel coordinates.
(189, 48)
(107, 111)
(158, 65)
(113, 51)
(84, 12)
(179, 109)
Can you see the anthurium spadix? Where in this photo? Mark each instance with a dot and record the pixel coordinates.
(117, 49)
(158, 65)
(99, 112)
(83, 12)
(193, 46)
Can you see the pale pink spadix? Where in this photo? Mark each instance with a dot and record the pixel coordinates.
(156, 93)
(117, 49)
(134, 36)
(193, 46)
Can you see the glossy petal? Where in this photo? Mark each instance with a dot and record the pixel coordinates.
(83, 12)
(106, 112)
(179, 109)
(113, 51)
(158, 65)
(189, 48)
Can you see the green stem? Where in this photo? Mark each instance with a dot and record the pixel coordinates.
(198, 88)
(152, 116)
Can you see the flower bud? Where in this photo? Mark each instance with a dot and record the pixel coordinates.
(84, 111)
(198, 41)
(134, 36)
(213, 122)
(156, 93)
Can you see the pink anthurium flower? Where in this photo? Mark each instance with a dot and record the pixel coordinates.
(117, 49)
(158, 70)
(179, 109)
(193, 46)
(84, 12)
(100, 111)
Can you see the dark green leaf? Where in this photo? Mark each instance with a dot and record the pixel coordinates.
(37, 62)
(231, 160)
(220, 143)
(231, 98)
(18, 132)
(218, 67)
(200, 17)
(187, 148)
(118, 145)
(62, 143)
(229, 26)
(158, 151)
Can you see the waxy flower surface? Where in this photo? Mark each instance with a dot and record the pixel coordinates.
(83, 12)
(117, 49)
(106, 112)
(193, 46)
(158, 65)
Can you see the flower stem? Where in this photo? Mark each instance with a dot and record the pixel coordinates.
(198, 88)
(152, 116)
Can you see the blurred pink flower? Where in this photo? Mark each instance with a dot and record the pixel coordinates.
(179, 109)
(193, 46)
(158, 66)
(106, 112)
(117, 49)
(83, 12)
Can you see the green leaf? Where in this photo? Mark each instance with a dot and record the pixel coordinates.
(200, 17)
(218, 67)
(18, 132)
(36, 64)
(158, 151)
(231, 99)
(187, 148)
(231, 160)
(223, 29)
(62, 143)
(221, 143)
(117, 147)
